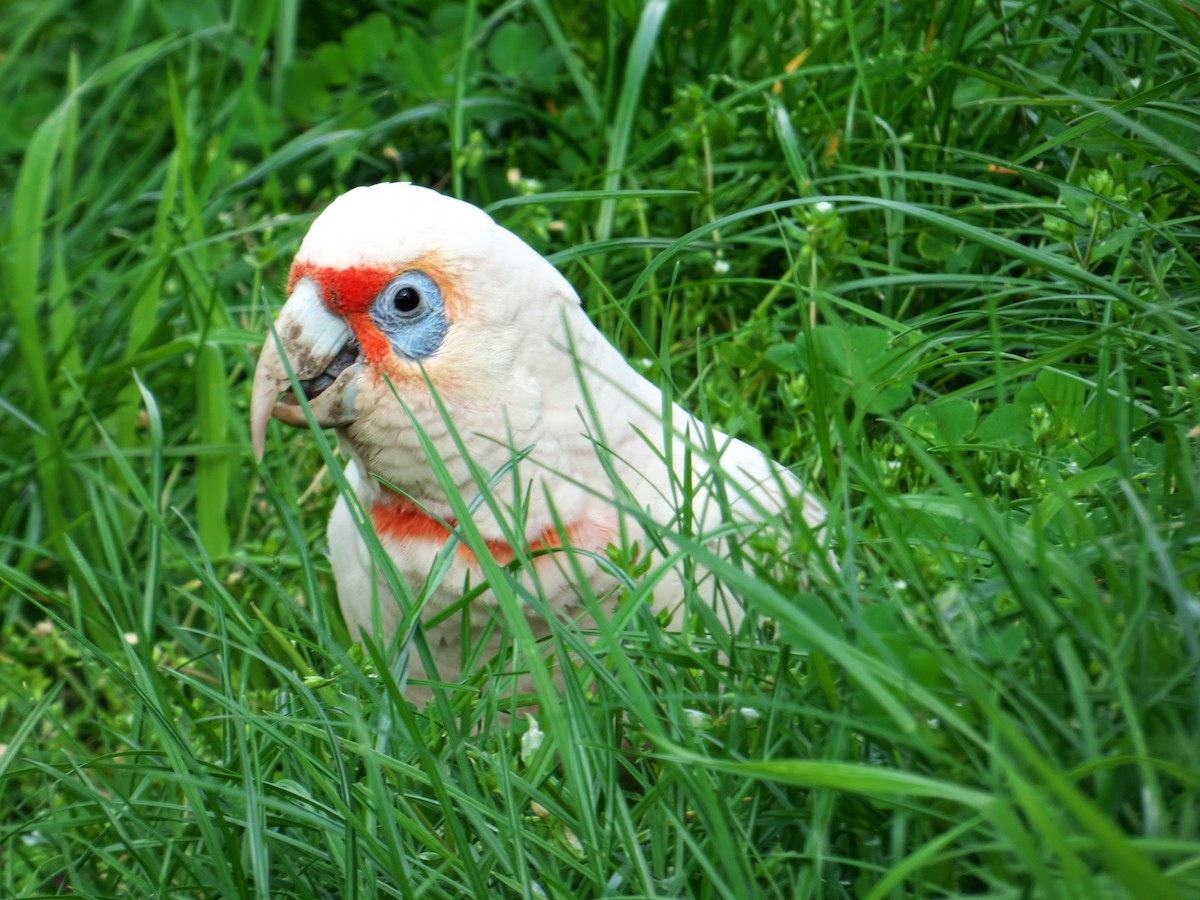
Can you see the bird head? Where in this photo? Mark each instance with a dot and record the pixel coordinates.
(396, 288)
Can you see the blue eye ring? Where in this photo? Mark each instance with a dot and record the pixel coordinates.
(411, 314)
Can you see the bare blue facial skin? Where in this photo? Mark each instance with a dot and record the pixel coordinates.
(411, 314)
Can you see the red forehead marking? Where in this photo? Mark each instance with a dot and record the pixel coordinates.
(346, 290)
(350, 289)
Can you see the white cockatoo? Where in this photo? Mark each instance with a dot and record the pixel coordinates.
(397, 288)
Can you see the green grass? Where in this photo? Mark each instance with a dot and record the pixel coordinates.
(939, 257)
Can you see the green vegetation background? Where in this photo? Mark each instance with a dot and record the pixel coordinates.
(940, 257)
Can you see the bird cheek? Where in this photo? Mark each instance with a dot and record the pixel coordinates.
(375, 346)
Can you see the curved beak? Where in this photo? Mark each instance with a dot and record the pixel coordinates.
(320, 350)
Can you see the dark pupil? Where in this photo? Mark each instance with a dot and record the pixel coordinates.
(407, 299)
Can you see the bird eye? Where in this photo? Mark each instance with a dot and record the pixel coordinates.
(411, 314)
(407, 300)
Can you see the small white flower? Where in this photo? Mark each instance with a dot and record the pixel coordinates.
(901, 585)
(824, 207)
(721, 267)
(531, 740)
(749, 712)
(697, 719)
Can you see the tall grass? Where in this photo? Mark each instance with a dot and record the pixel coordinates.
(940, 258)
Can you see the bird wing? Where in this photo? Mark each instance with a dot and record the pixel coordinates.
(661, 452)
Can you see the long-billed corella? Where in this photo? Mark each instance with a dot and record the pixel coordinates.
(409, 312)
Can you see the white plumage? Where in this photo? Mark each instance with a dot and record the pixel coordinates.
(396, 284)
